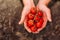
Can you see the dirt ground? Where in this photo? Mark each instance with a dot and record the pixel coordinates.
(10, 13)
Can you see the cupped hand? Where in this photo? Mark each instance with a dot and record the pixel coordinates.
(47, 15)
(27, 6)
(46, 10)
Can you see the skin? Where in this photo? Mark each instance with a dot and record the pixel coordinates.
(42, 5)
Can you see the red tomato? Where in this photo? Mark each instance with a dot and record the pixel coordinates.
(30, 16)
(30, 23)
(40, 13)
(39, 24)
(37, 18)
(33, 10)
(33, 29)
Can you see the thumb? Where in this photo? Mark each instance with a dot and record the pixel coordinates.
(24, 13)
(48, 13)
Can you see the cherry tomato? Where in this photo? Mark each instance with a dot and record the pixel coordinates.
(30, 16)
(39, 24)
(33, 29)
(30, 23)
(37, 18)
(33, 10)
(40, 13)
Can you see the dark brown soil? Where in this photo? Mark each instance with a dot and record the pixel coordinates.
(10, 13)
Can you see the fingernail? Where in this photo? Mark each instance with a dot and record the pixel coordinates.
(19, 23)
(50, 20)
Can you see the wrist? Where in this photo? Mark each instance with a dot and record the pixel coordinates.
(44, 2)
(28, 2)
(41, 5)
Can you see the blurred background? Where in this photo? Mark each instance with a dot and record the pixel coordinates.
(10, 13)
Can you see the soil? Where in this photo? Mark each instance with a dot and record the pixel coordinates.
(10, 13)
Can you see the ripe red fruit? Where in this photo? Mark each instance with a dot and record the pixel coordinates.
(40, 13)
(30, 16)
(33, 29)
(37, 18)
(30, 23)
(33, 10)
(39, 24)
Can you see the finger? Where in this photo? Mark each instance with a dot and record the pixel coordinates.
(24, 13)
(44, 24)
(48, 13)
(26, 27)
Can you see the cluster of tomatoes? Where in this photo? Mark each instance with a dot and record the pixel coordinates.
(34, 19)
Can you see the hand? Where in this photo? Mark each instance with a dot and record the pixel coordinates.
(46, 10)
(27, 6)
(42, 5)
(47, 15)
